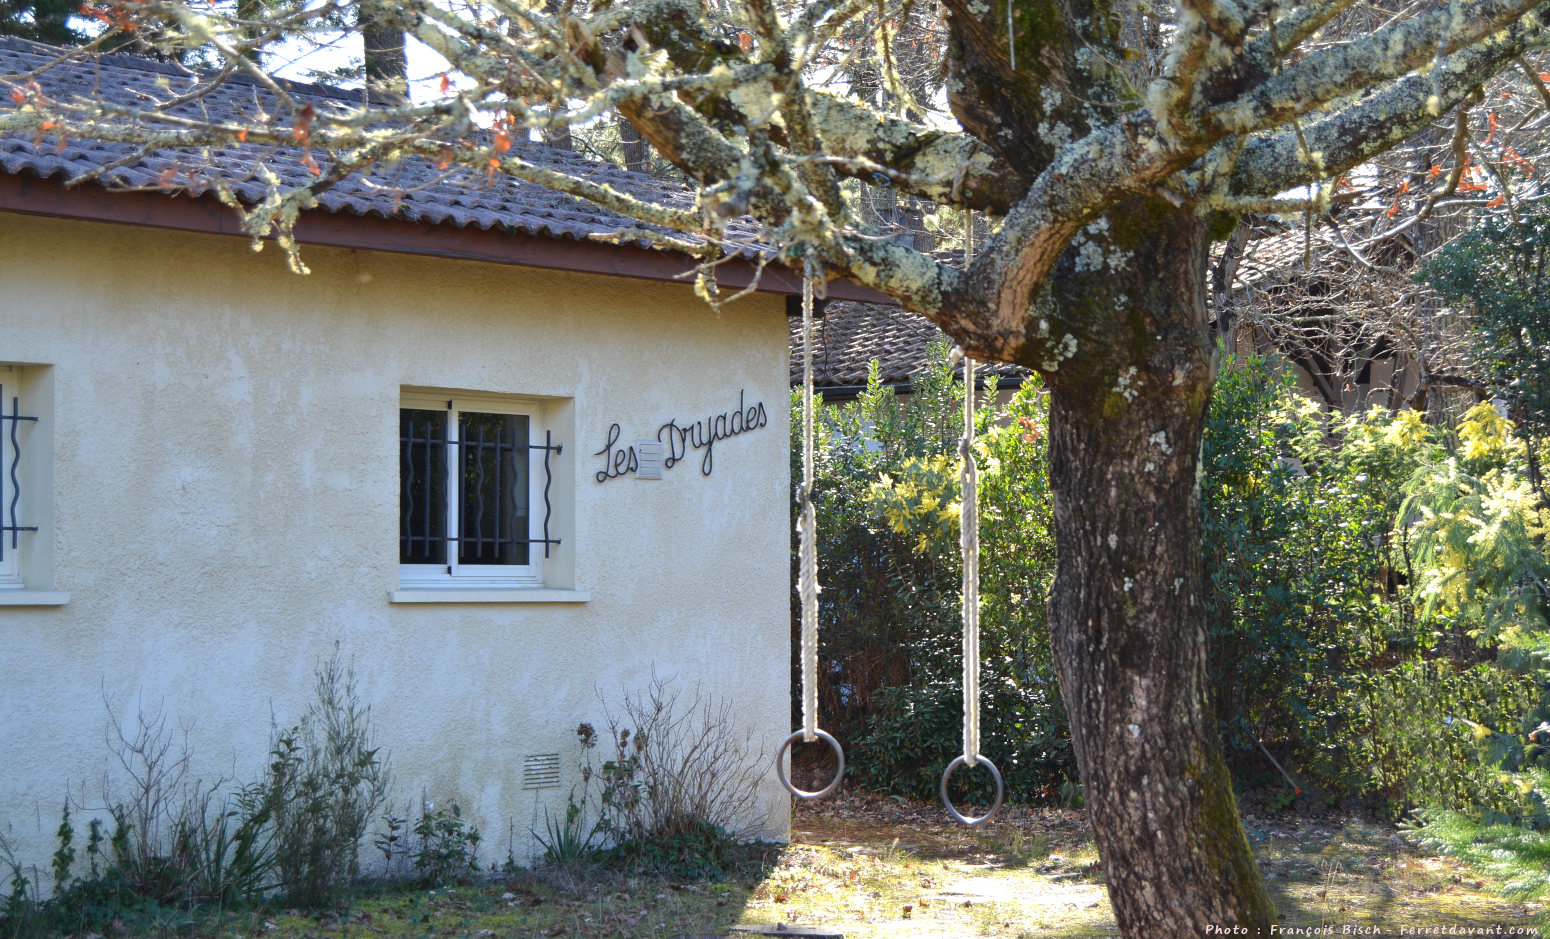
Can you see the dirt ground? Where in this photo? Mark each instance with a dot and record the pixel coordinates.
(1034, 873)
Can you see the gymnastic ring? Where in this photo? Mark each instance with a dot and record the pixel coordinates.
(839, 773)
(994, 773)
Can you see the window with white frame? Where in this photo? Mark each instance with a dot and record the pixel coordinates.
(475, 474)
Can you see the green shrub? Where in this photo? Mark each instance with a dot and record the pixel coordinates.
(697, 850)
(567, 841)
(918, 731)
(884, 604)
(1295, 601)
(1441, 735)
(890, 616)
(1499, 273)
(325, 783)
(448, 849)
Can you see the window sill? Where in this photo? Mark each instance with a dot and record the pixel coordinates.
(34, 597)
(486, 595)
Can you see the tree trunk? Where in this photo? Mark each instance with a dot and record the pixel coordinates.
(1126, 615)
(558, 136)
(384, 53)
(636, 152)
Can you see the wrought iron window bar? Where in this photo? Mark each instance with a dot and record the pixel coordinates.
(10, 524)
(479, 447)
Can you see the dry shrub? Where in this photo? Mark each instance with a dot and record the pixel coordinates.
(680, 787)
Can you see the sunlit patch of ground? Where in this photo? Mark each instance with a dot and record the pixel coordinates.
(1034, 873)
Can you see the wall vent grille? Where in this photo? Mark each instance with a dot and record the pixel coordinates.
(541, 771)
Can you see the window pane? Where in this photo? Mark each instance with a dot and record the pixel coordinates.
(422, 487)
(492, 526)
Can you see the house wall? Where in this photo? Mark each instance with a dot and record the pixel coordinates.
(1391, 378)
(225, 509)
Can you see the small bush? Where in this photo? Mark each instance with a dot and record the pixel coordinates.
(178, 842)
(1292, 530)
(698, 850)
(1447, 737)
(568, 841)
(679, 789)
(448, 849)
(325, 783)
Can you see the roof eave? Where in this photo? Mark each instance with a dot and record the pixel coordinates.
(32, 195)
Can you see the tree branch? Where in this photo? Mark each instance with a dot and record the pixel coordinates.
(1329, 73)
(1274, 163)
(973, 176)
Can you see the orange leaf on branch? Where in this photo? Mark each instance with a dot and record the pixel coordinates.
(303, 128)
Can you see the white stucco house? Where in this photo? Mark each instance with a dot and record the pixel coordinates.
(214, 471)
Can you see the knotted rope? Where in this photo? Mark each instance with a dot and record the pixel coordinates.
(807, 529)
(807, 566)
(969, 543)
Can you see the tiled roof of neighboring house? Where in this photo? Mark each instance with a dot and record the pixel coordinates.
(1271, 258)
(1276, 256)
(850, 335)
(412, 190)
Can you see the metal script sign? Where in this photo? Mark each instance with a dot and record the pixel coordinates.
(678, 439)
